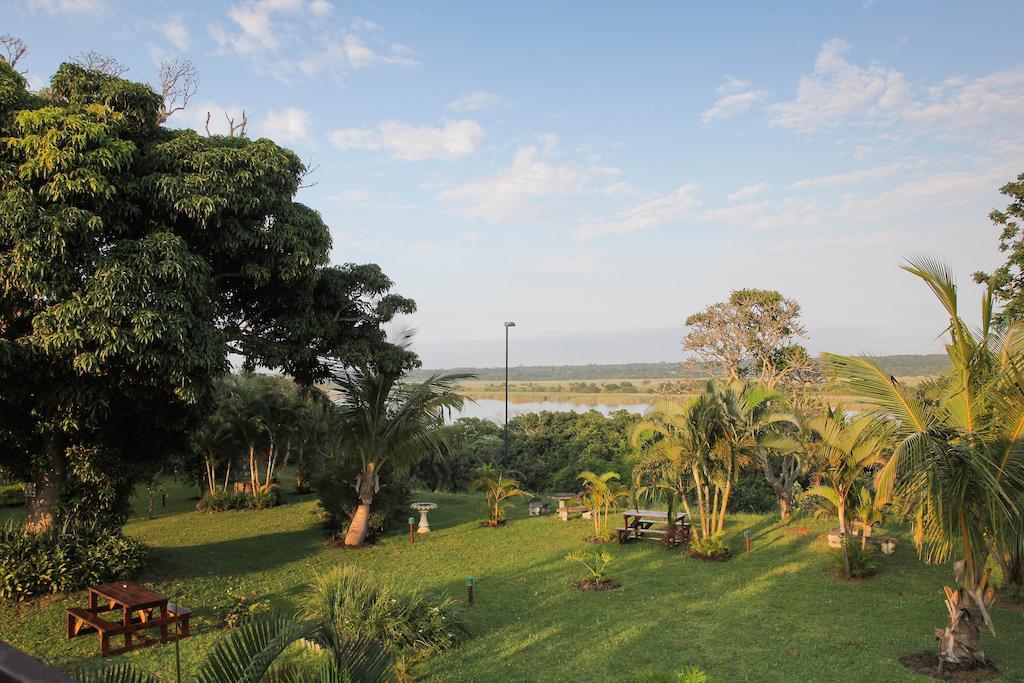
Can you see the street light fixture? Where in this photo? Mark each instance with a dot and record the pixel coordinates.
(507, 325)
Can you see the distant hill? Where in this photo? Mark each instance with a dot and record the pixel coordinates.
(901, 366)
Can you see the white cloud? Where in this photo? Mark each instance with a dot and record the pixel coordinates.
(739, 214)
(737, 97)
(503, 195)
(287, 125)
(837, 90)
(452, 140)
(68, 7)
(648, 214)
(747, 191)
(852, 178)
(321, 8)
(478, 99)
(175, 30)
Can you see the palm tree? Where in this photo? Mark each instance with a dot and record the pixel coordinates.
(385, 422)
(497, 489)
(957, 468)
(600, 494)
(845, 450)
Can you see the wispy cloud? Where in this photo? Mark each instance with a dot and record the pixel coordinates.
(450, 140)
(747, 191)
(474, 101)
(736, 97)
(175, 30)
(69, 8)
(287, 125)
(853, 177)
(647, 214)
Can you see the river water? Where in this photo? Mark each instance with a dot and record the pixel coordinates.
(494, 409)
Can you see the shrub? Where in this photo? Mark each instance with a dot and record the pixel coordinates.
(12, 495)
(596, 562)
(862, 563)
(238, 500)
(412, 625)
(753, 494)
(65, 558)
(338, 500)
(713, 546)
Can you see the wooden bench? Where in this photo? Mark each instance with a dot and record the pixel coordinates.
(181, 614)
(81, 620)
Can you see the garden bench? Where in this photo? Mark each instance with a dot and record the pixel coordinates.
(81, 620)
(639, 525)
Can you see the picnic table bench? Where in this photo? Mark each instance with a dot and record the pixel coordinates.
(653, 524)
(142, 609)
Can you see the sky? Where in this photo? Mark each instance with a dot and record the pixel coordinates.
(597, 171)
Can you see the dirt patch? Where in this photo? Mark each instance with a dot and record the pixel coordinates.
(1006, 599)
(927, 664)
(494, 525)
(592, 585)
(799, 531)
(723, 556)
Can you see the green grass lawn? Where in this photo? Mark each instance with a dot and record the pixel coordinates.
(772, 615)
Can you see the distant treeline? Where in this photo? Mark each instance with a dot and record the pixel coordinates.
(901, 366)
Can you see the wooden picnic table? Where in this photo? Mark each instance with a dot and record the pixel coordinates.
(649, 524)
(141, 609)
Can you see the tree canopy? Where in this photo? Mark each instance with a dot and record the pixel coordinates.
(133, 260)
(1008, 280)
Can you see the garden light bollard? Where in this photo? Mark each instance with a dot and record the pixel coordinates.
(469, 588)
(746, 538)
(412, 530)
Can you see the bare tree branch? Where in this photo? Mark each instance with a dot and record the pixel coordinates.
(179, 81)
(234, 129)
(308, 170)
(12, 49)
(97, 61)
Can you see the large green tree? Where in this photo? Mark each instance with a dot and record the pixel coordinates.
(1007, 281)
(133, 260)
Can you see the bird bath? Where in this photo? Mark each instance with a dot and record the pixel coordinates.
(423, 508)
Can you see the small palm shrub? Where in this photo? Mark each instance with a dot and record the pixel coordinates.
(862, 564)
(412, 626)
(63, 558)
(712, 547)
(596, 563)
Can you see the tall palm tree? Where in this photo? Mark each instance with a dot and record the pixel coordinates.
(845, 450)
(383, 421)
(699, 447)
(957, 468)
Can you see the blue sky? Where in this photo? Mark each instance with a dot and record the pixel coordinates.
(598, 171)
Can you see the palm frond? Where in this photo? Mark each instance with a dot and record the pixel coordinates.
(246, 653)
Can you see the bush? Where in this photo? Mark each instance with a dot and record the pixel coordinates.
(862, 563)
(12, 495)
(711, 547)
(753, 494)
(412, 625)
(238, 500)
(62, 559)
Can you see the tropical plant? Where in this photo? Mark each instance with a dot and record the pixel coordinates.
(957, 465)
(596, 562)
(384, 422)
(497, 490)
(350, 604)
(845, 449)
(698, 448)
(711, 546)
(251, 654)
(855, 561)
(600, 492)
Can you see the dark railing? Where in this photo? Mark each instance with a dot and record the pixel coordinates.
(18, 667)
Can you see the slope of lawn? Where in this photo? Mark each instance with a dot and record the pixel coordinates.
(773, 615)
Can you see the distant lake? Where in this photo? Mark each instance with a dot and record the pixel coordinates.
(494, 410)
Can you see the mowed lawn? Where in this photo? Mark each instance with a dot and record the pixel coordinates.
(772, 615)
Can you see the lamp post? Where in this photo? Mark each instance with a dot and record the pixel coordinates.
(505, 460)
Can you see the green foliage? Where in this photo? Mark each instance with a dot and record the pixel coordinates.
(240, 500)
(548, 450)
(350, 603)
(12, 495)
(595, 561)
(1007, 281)
(752, 494)
(63, 558)
(862, 562)
(240, 608)
(134, 259)
(338, 499)
(713, 545)
(600, 494)
(469, 443)
(497, 490)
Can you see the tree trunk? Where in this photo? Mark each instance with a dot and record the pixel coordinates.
(39, 509)
(846, 540)
(785, 507)
(366, 485)
(960, 642)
